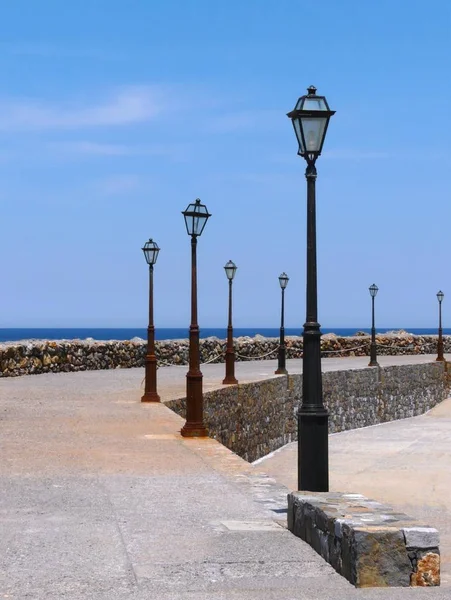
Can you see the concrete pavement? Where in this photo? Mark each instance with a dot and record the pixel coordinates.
(102, 498)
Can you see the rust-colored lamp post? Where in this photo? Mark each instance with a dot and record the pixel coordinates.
(373, 348)
(440, 357)
(196, 216)
(310, 118)
(281, 363)
(151, 251)
(230, 270)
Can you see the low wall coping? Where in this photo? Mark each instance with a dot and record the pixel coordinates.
(367, 542)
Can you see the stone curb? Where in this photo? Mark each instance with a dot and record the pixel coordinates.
(368, 543)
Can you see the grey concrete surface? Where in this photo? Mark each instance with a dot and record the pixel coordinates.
(101, 498)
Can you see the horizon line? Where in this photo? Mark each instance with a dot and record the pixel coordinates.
(216, 327)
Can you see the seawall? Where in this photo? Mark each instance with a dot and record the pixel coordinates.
(33, 357)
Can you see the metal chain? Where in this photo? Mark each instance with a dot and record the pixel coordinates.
(343, 349)
(162, 362)
(409, 346)
(256, 357)
(212, 359)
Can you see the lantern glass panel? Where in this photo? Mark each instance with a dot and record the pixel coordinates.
(298, 132)
(314, 103)
(314, 129)
(198, 224)
(440, 296)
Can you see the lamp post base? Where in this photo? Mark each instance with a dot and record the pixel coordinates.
(194, 430)
(281, 357)
(229, 378)
(373, 353)
(151, 397)
(313, 454)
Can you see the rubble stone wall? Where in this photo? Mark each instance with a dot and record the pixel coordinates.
(33, 357)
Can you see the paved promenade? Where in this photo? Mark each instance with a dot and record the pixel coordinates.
(101, 498)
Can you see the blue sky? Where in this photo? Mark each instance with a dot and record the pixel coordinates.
(115, 115)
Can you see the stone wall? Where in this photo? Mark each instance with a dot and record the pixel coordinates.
(254, 419)
(32, 357)
(29, 358)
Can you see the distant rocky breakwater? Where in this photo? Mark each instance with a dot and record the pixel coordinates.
(45, 356)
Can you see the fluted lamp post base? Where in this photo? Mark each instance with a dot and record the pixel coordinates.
(230, 378)
(194, 430)
(151, 397)
(194, 425)
(229, 381)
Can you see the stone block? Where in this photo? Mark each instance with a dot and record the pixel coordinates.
(290, 513)
(334, 546)
(322, 519)
(421, 537)
(427, 571)
(381, 558)
(313, 535)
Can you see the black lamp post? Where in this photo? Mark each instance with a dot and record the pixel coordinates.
(281, 366)
(310, 119)
(196, 216)
(151, 251)
(440, 357)
(230, 270)
(373, 348)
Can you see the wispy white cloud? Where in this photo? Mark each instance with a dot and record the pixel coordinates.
(355, 154)
(290, 157)
(129, 105)
(88, 148)
(117, 185)
(244, 120)
(264, 178)
(179, 152)
(41, 50)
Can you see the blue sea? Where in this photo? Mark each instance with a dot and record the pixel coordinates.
(13, 335)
